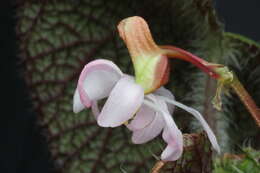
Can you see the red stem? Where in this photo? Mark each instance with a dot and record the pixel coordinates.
(174, 52)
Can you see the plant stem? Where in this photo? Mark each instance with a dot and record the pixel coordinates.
(212, 71)
(175, 52)
(246, 99)
(209, 111)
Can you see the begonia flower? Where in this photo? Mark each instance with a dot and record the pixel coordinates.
(146, 115)
(141, 103)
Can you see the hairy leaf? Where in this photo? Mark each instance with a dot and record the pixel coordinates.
(57, 38)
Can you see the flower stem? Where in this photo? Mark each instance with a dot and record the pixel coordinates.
(174, 52)
(246, 99)
(219, 72)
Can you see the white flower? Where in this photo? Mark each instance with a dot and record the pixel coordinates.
(149, 115)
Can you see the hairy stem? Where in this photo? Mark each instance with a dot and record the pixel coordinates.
(246, 99)
(209, 111)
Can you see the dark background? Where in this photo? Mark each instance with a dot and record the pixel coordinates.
(23, 149)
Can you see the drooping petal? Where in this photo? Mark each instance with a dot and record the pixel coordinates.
(166, 93)
(77, 104)
(97, 80)
(199, 117)
(172, 152)
(123, 102)
(143, 118)
(171, 134)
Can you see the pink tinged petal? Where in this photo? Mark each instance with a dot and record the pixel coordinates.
(173, 136)
(172, 152)
(77, 104)
(123, 102)
(95, 110)
(166, 93)
(151, 131)
(199, 117)
(143, 118)
(174, 139)
(97, 80)
(147, 123)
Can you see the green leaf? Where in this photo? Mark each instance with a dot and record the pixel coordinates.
(245, 163)
(57, 38)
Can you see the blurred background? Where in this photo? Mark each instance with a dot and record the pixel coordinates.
(23, 147)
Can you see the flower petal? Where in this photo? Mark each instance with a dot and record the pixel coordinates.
(77, 104)
(123, 102)
(200, 118)
(171, 134)
(166, 93)
(143, 118)
(151, 131)
(153, 125)
(97, 80)
(172, 152)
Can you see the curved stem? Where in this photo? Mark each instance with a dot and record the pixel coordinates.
(246, 99)
(212, 71)
(174, 52)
